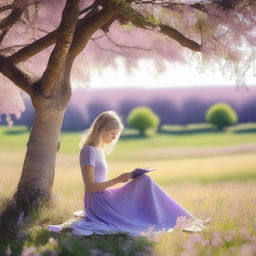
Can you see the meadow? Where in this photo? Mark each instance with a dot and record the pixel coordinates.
(211, 173)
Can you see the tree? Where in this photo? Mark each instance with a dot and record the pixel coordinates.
(41, 41)
(221, 115)
(142, 119)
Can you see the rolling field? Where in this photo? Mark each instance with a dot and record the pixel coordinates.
(211, 174)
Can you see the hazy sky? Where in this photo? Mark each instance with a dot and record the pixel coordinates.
(176, 75)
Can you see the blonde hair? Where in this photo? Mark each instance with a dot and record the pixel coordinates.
(106, 121)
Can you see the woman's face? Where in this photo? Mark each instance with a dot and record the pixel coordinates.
(110, 135)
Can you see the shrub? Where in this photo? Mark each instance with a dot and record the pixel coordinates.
(142, 119)
(221, 115)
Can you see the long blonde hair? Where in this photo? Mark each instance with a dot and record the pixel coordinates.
(106, 121)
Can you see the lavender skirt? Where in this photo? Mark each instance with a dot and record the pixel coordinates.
(134, 208)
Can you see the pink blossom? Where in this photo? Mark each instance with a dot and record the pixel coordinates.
(52, 241)
(246, 234)
(217, 239)
(95, 252)
(196, 238)
(248, 249)
(29, 251)
(188, 245)
(229, 235)
(182, 222)
(11, 101)
(8, 252)
(20, 219)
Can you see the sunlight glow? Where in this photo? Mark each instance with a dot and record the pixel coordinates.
(145, 75)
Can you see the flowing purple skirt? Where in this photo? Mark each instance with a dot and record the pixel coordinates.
(134, 208)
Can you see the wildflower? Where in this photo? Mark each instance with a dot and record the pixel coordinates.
(253, 239)
(52, 241)
(141, 254)
(217, 239)
(188, 245)
(246, 234)
(247, 250)
(149, 250)
(29, 251)
(108, 254)
(8, 252)
(49, 253)
(204, 242)
(20, 219)
(191, 252)
(197, 238)
(228, 238)
(182, 221)
(95, 252)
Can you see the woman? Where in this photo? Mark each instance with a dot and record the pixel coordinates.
(133, 208)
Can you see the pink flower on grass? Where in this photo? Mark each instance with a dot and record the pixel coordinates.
(182, 222)
(217, 239)
(95, 252)
(248, 249)
(29, 251)
(246, 234)
(8, 252)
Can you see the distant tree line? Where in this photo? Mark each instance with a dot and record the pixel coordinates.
(190, 111)
(142, 119)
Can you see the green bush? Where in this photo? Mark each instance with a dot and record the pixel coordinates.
(221, 115)
(142, 119)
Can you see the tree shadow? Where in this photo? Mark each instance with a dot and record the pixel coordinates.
(251, 130)
(190, 131)
(65, 243)
(17, 131)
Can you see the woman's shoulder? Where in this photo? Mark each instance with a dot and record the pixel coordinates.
(88, 148)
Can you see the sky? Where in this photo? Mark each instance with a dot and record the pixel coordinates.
(175, 76)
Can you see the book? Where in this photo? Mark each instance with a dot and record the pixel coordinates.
(140, 171)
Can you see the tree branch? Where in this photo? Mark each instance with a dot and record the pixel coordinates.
(171, 2)
(9, 48)
(34, 48)
(106, 49)
(89, 26)
(56, 64)
(180, 38)
(140, 21)
(8, 22)
(89, 8)
(126, 46)
(197, 6)
(44, 42)
(19, 77)
(6, 7)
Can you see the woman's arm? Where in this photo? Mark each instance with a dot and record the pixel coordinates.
(92, 186)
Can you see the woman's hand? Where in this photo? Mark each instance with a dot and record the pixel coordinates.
(124, 177)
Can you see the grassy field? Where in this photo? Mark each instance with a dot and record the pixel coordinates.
(219, 185)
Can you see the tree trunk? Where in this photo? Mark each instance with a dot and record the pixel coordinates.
(40, 157)
(37, 176)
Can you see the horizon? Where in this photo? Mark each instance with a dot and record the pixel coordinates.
(145, 75)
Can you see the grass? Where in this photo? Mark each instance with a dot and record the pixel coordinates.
(130, 141)
(221, 186)
(232, 231)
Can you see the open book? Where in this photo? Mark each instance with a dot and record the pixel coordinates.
(139, 171)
